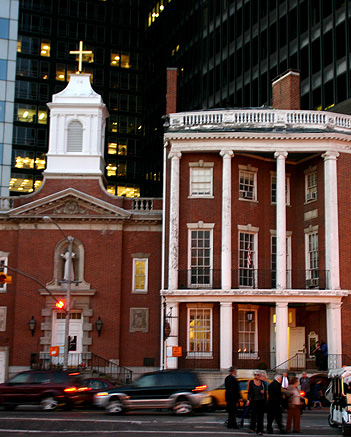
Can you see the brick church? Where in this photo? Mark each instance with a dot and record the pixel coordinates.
(243, 262)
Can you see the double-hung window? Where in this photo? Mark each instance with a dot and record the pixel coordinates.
(201, 179)
(312, 257)
(274, 259)
(200, 256)
(274, 189)
(247, 333)
(200, 330)
(247, 182)
(311, 184)
(247, 259)
(140, 275)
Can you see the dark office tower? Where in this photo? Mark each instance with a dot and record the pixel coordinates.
(229, 51)
(48, 30)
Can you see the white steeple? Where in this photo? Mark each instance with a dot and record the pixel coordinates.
(77, 130)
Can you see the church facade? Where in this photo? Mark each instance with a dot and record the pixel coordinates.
(114, 273)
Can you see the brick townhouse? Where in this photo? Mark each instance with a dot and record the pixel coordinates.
(257, 234)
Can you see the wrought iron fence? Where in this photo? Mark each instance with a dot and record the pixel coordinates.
(87, 362)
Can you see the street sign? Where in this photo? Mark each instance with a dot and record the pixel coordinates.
(54, 351)
(176, 351)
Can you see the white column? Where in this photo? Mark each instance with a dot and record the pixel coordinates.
(281, 221)
(174, 221)
(172, 316)
(226, 335)
(226, 253)
(331, 221)
(334, 335)
(281, 311)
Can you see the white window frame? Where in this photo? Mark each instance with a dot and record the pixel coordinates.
(201, 353)
(3, 261)
(274, 190)
(311, 186)
(198, 227)
(249, 230)
(288, 255)
(312, 271)
(250, 172)
(194, 179)
(242, 320)
(134, 284)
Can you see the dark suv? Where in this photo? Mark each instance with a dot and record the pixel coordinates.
(47, 388)
(177, 390)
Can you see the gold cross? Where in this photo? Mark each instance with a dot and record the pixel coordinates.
(80, 54)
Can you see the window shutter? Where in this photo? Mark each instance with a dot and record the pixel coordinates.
(75, 137)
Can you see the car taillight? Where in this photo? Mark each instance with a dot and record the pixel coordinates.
(70, 389)
(84, 388)
(302, 393)
(200, 388)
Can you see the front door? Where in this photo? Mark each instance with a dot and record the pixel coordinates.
(74, 340)
(297, 348)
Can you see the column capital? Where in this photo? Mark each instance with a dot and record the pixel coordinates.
(226, 304)
(280, 154)
(281, 304)
(172, 155)
(334, 305)
(330, 154)
(227, 153)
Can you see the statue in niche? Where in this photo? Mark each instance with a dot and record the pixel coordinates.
(66, 274)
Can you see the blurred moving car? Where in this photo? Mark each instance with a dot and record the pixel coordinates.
(95, 385)
(176, 390)
(46, 388)
(338, 394)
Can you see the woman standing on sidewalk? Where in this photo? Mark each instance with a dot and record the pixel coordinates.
(294, 405)
(257, 397)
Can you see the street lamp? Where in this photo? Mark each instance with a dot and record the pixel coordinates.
(68, 281)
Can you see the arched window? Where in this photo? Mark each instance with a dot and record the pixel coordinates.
(75, 137)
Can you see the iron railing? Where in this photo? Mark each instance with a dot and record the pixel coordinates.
(88, 363)
(206, 278)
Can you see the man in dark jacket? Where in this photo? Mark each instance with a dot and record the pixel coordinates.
(274, 411)
(232, 395)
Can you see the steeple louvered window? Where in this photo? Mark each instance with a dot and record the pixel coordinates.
(75, 137)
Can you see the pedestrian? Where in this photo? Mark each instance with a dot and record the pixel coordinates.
(285, 380)
(294, 406)
(305, 386)
(274, 409)
(318, 354)
(232, 395)
(324, 352)
(256, 398)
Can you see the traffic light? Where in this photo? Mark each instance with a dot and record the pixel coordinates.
(5, 279)
(60, 304)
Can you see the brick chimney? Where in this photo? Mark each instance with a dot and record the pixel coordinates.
(171, 94)
(286, 91)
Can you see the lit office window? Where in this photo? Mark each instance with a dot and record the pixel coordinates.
(45, 47)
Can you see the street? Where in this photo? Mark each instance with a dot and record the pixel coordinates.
(82, 422)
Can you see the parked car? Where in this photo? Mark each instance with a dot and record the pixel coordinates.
(46, 388)
(217, 395)
(323, 381)
(95, 385)
(176, 390)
